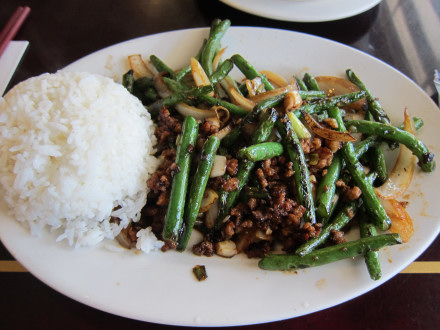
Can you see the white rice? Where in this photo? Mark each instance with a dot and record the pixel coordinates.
(74, 146)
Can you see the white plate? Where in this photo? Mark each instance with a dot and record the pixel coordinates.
(303, 10)
(161, 287)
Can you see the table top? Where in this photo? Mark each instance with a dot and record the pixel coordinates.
(402, 33)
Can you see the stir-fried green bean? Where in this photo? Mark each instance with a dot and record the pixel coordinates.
(328, 254)
(174, 215)
(249, 71)
(371, 201)
(367, 229)
(310, 82)
(161, 66)
(339, 221)
(216, 34)
(261, 151)
(325, 193)
(301, 172)
(426, 158)
(373, 104)
(260, 135)
(197, 189)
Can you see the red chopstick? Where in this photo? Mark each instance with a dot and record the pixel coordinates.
(11, 28)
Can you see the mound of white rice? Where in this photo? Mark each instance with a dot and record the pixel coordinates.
(73, 147)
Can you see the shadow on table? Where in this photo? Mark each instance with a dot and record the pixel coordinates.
(346, 31)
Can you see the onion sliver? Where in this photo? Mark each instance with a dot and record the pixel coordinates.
(212, 214)
(255, 86)
(188, 110)
(209, 197)
(240, 100)
(402, 173)
(138, 66)
(401, 222)
(324, 132)
(277, 91)
(217, 58)
(224, 131)
(199, 75)
(339, 86)
(218, 167)
(274, 78)
(161, 86)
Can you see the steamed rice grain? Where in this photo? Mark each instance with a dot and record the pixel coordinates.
(75, 147)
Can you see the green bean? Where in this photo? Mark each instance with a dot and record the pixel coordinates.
(325, 103)
(371, 257)
(371, 201)
(261, 151)
(301, 172)
(301, 85)
(176, 205)
(374, 140)
(326, 190)
(426, 158)
(328, 254)
(310, 82)
(161, 66)
(260, 135)
(339, 221)
(197, 189)
(221, 72)
(373, 104)
(363, 146)
(128, 80)
(378, 164)
(235, 134)
(174, 85)
(192, 93)
(249, 71)
(216, 34)
(233, 109)
(311, 96)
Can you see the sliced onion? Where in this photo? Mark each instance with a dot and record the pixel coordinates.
(277, 91)
(222, 113)
(226, 249)
(138, 66)
(292, 100)
(255, 86)
(245, 238)
(240, 100)
(199, 75)
(161, 86)
(401, 222)
(324, 132)
(209, 197)
(227, 83)
(338, 86)
(212, 214)
(217, 58)
(218, 167)
(402, 173)
(274, 78)
(188, 110)
(224, 131)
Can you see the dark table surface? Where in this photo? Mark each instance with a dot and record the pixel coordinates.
(402, 33)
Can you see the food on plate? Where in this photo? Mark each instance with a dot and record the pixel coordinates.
(76, 153)
(269, 167)
(274, 168)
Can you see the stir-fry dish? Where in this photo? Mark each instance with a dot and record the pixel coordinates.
(276, 169)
